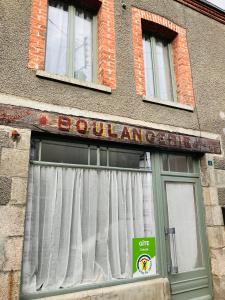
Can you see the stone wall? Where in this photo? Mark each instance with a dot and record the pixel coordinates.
(14, 159)
(213, 182)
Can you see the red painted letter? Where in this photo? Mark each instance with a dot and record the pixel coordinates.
(64, 123)
(137, 134)
(81, 126)
(43, 120)
(98, 128)
(125, 133)
(150, 137)
(110, 133)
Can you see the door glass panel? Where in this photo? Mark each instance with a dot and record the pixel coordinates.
(185, 247)
(177, 163)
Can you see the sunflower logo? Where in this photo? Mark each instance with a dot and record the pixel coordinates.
(144, 264)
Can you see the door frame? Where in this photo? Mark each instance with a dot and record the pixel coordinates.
(159, 177)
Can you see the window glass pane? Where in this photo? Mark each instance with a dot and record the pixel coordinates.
(165, 162)
(219, 3)
(34, 150)
(163, 71)
(149, 82)
(127, 159)
(64, 153)
(190, 164)
(93, 155)
(103, 156)
(83, 45)
(55, 61)
(178, 163)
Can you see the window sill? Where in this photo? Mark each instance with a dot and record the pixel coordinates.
(168, 103)
(73, 81)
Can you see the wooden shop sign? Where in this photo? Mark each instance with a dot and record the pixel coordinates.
(105, 130)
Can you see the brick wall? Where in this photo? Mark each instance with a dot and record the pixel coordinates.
(106, 40)
(36, 52)
(106, 44)
(181, 60)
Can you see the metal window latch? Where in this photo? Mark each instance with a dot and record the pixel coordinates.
(169, 231)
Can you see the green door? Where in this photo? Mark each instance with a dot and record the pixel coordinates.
(187, 259)
(182, 238)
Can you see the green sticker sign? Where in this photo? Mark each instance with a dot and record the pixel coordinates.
(144, 259)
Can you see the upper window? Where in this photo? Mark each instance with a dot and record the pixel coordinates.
(70, 46)
(73, 39)
(158, 67)
(161, 60)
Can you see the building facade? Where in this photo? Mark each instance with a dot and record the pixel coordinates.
(112, 168)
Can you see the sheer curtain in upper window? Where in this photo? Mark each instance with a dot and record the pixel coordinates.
(158, 72)
(56, 45)
(69, 44)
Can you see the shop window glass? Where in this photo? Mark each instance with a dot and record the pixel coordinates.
(81, 220)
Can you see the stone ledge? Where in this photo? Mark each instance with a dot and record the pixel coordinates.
(168, 103)
(73, 81)
(143, 290)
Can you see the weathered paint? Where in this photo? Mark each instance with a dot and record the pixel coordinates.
(105, 130)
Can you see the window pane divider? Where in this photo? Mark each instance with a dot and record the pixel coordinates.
(70, 41)
(172, 74)
(54, 164)
(154, 66)
(98, 156)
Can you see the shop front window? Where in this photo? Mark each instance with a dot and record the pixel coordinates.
(86, 204)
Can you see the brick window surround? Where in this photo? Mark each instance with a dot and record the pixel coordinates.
(105, 32)
(182, 68)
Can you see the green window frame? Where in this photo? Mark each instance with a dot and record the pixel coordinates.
(185, 170)
(159, 68)
(70, 14)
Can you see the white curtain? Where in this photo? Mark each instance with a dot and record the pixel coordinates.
(83, 46)
(56, 46)
(80, 224)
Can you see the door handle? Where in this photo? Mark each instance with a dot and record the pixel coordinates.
(173, 265)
